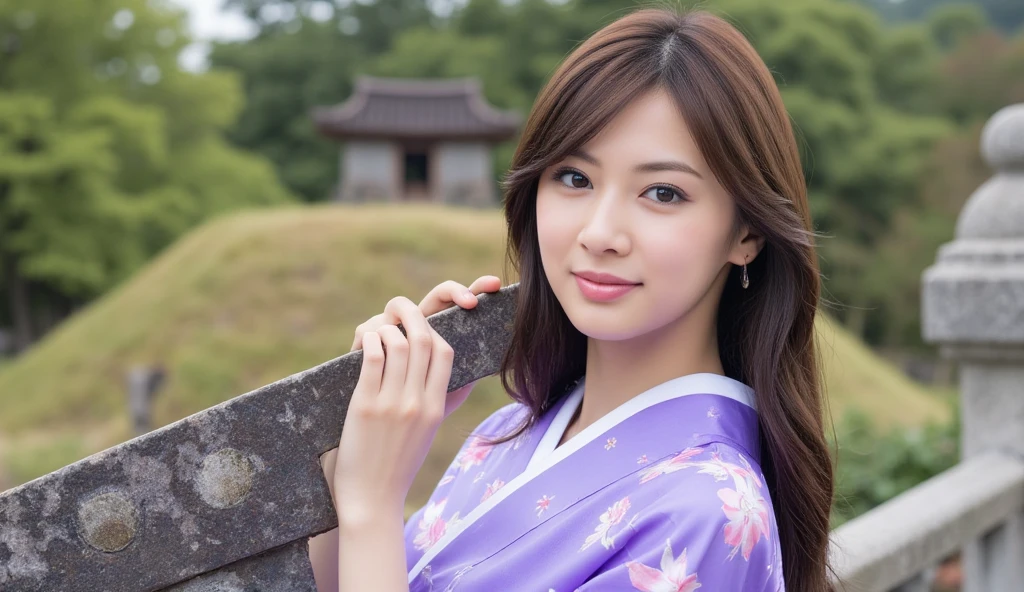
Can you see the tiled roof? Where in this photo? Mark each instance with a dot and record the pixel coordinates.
(416, 108)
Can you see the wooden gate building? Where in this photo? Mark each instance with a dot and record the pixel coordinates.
(413, 139)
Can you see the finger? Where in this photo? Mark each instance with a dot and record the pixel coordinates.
(396, 359)
(417, 333)
(486, 283)
(451, 292)
(444, 295)
(371, 324)
(368, 385)
(439, 374)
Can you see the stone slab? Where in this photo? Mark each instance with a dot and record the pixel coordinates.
(221, 485)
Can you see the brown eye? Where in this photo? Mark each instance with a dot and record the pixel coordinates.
(574, 179)
(664, 195)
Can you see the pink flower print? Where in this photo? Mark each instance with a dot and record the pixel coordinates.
(676, 463)
(543, 503)
(722, 470)
(719, 469)
(432, 526)
(610, 444)
(750, 470)
(446, 480)
(478, 477)
(642, 460)
(672, 576)
(474, 454)
(491, 488)
(613, 516)
(748, 519)
(713, 412)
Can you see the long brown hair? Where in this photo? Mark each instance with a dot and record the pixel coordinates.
(766, 333)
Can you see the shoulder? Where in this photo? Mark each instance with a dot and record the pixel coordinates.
(714, 500)
(501, 421)
(717, 486)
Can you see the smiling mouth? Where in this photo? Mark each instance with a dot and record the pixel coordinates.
(600, 292)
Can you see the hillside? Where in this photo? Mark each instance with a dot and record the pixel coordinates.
(249, 299)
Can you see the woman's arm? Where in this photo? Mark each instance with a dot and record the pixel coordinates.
(365, 552)
(323, 548)
(372, 551)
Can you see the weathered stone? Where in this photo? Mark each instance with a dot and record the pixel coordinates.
(225, 479)
(216, 487)
(108, 521)
(973, 307)
(285, 569)
(912, 532)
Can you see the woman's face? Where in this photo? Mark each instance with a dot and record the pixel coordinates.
(638, 201)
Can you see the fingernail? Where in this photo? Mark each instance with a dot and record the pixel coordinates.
(469, 293)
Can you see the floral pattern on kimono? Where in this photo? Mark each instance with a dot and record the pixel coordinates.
(713, 520)
(428, 524)
(669, 497)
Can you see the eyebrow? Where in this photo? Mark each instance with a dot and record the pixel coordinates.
(646, 167)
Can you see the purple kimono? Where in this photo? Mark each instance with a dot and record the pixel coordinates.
(664, 494)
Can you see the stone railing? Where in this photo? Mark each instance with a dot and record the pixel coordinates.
(221, 501)
(973, 307)
(226, 499)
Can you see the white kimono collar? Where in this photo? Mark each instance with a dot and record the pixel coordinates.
(681, 386)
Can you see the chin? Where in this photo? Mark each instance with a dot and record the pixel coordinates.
(612, 321)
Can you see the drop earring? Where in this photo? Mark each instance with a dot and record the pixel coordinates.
(745, 281)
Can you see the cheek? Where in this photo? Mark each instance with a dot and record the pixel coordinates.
(682, 260)
(555, 231)
(678, 249)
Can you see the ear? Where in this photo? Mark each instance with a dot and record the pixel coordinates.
(747, 246)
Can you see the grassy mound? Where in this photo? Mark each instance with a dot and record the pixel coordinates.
(248, 299)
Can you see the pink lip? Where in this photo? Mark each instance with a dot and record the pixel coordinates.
(602, 292)
(602, 278)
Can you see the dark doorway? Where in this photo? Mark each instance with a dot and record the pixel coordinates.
(417, 174)
(416, 168)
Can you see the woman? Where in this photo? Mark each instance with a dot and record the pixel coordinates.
(667, 429)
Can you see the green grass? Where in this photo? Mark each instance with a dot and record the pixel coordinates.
(248, 299)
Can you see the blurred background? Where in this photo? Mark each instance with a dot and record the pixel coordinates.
(199, 197)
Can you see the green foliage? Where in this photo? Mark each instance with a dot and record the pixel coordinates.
(1008, 15)
(107, 150)
(874, 466)
(286, 75)
(952, 24)
(909, 74)
(980, 75)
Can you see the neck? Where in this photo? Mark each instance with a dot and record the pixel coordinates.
(617, 371)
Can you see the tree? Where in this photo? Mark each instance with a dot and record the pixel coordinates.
(953, 23)
(287, 74)
(1006, 15)
(107, 151)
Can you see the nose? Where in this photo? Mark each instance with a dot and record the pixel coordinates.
(606, 225)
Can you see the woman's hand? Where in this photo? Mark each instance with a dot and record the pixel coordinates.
(399, 401)
(442, 297)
